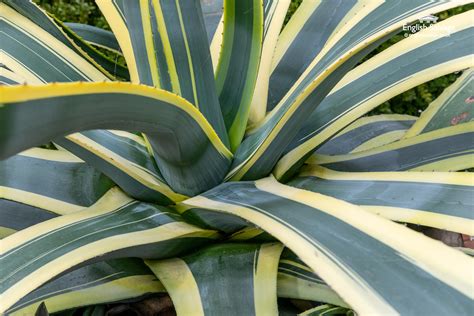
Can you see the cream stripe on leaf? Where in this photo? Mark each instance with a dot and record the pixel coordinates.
(103, 282)
(421, 57)
(114, 227)
(441, 200)
(240, 278)
(57, 29)
(38, 51)
(302, 40)
(238, 65)
(168, 47)
(371, 271)
(380, 140)
(126, 160)
(40, 184)
(9, 78)
(64, 34)
(116, 70)
(20, 69)
(274, 12)
(191, 159)
(178, 280)
(297, 281)
(130, 21)
(432, 151)
(147, 186)
(264, 145)
(95, 36)
(188, 57)
(454, 106)
(59, 174)
(123, 159)
(366, 129)
(216, 44)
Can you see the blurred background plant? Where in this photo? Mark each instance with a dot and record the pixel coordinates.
(411, 102)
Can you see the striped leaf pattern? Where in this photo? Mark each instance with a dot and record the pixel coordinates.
(318, 229)
(446, 149)
(238, 64)
(419, 58)
(452, 107)
(302, 40)
(205, 282)
(441, 200)
(95, 36)
(273, 17)
(102, 282)
(8, 77)
(138, 194)
(111, 67)
(167, 48)
(261, 150)
(62, 184)
(367, 133)
(33, 53)
(327, 310)
(128, 228)
(55, 28)
(297, 281)
(124, 157)
(155, 112)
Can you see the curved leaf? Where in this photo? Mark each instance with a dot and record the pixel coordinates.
(452, 107)
(417, 59)
(191, 159)
(95, 36)
(164, 43)
(128, 228)
(302, 39)
(205, 282)
(56, 29)
(103, 282)
(447, 149)
(368, 273)
(441, 200)
(238, 65)
(260, 151)
(38, 56)
(125, 159)
(367, 133)
(40, 184)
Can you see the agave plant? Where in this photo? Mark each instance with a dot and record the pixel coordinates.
(229, 164)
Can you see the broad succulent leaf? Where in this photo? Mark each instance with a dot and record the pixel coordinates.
(148, 172)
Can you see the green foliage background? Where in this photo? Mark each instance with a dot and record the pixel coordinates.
(411, 102)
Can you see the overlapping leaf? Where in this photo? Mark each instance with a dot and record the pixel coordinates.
(191, 159)
(260, 151)
(127, 228)
(318, 229)
(442, 200)
(417, 59)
